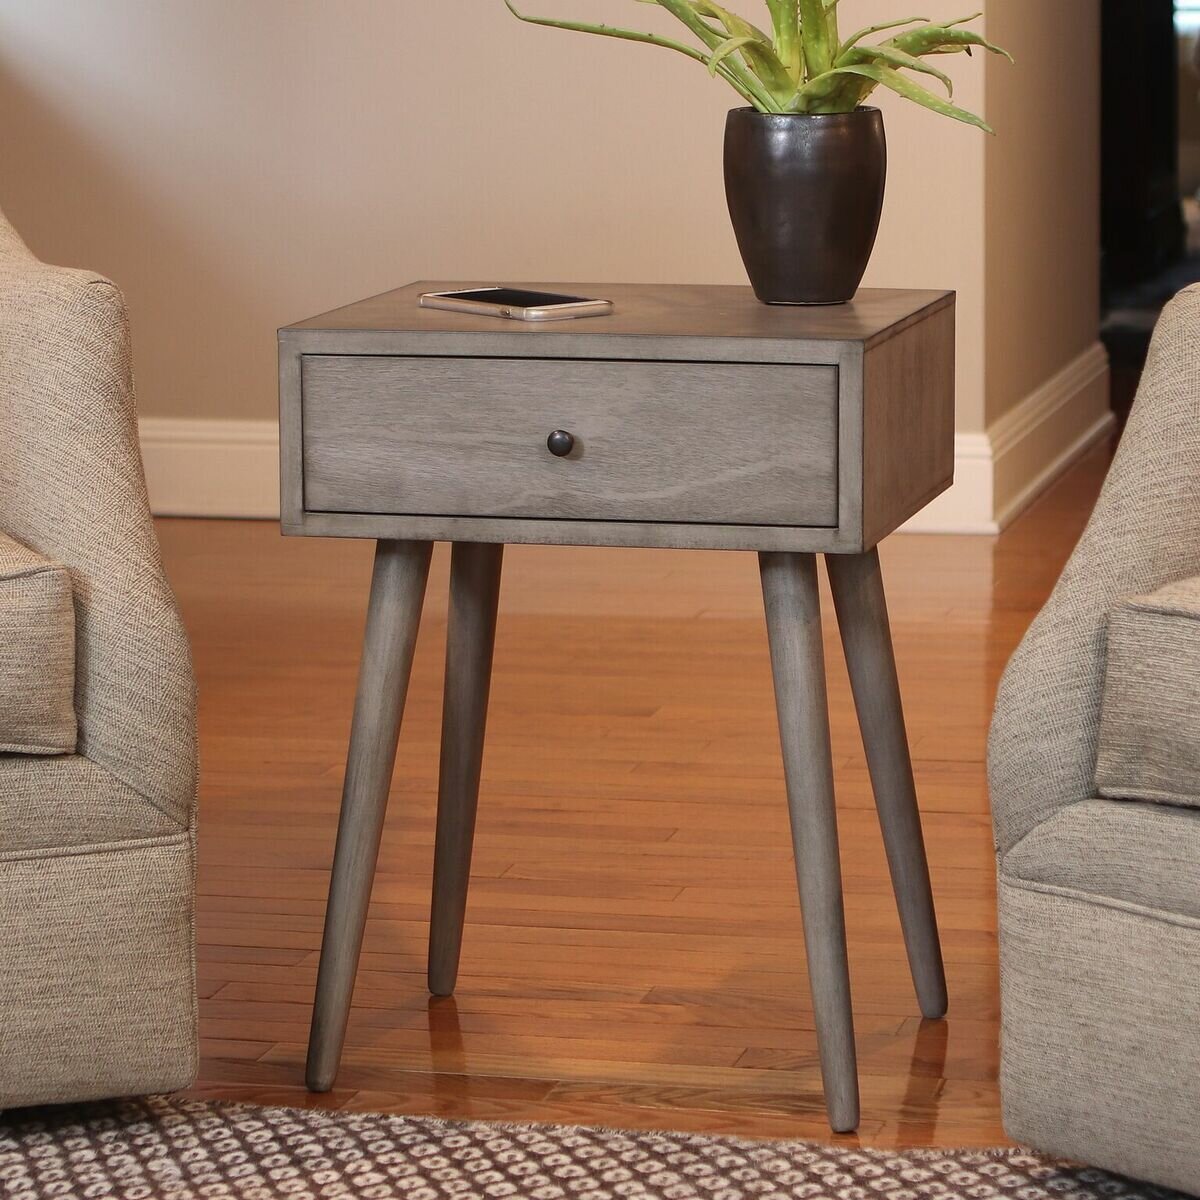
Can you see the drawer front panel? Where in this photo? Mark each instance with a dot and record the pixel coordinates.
(719, 443)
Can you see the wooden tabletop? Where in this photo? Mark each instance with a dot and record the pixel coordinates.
(647, 310)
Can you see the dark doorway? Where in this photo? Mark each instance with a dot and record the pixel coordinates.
(1150, 173)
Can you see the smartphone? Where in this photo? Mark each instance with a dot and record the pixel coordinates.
(517, 304)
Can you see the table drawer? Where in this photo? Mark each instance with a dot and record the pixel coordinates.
(719, 443)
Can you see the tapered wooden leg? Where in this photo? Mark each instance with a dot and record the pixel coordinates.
(394, 613)
(794, 627)
(866, 636)
(470, 638)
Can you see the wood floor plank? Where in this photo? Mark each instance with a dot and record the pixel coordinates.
(633, 953)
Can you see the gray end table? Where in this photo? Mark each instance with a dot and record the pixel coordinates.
(692, 418)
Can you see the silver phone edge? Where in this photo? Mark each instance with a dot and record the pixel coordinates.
(557, 312)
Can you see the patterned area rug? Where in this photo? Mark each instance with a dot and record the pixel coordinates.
(172, 1149)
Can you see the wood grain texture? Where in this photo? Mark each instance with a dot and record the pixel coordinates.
(689, 315)
(858, 596)
(470, 640)
(907, 455)
(419, 424)
(792, 601)
(676, 443)
(393, 617)
(661, 535)
(712, 443)
(634, 953)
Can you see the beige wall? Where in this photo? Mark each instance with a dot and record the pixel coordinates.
(1042, 266)
(238, 164)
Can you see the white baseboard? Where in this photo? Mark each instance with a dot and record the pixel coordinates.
(999, 473)
(231, 468)
(1036, 441)
(967, 507)
(211, 468)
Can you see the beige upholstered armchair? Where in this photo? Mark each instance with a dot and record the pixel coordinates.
(97, 722)
(1095, 781)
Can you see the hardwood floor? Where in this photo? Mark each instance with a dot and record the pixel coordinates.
(633, 953)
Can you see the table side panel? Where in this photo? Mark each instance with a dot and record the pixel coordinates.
(908, 423)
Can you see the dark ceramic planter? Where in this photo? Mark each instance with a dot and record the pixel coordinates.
(805, 194)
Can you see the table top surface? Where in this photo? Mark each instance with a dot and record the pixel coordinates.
(648, 310)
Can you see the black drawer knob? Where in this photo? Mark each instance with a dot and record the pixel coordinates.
(560, 443)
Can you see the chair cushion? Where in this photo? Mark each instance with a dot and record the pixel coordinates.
(1149, 746)
(37, 653)
(1142, 854)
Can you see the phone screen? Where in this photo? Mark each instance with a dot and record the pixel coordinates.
(515, 297)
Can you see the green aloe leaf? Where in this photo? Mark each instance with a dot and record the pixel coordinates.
(933, 39)
(892, 57)
(785, 21)
(686, 12)
(735, 25)
(724, 50)
(868, 31)
(753, 95)
(802, 66)
(890, 78)
(819, 49)
(756, 48)
(613, 31)
(719, 34)
(831, 24)
(831, 93)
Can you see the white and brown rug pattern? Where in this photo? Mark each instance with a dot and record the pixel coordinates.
(173, 1149)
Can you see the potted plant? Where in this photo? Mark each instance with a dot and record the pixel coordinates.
(805, 164)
